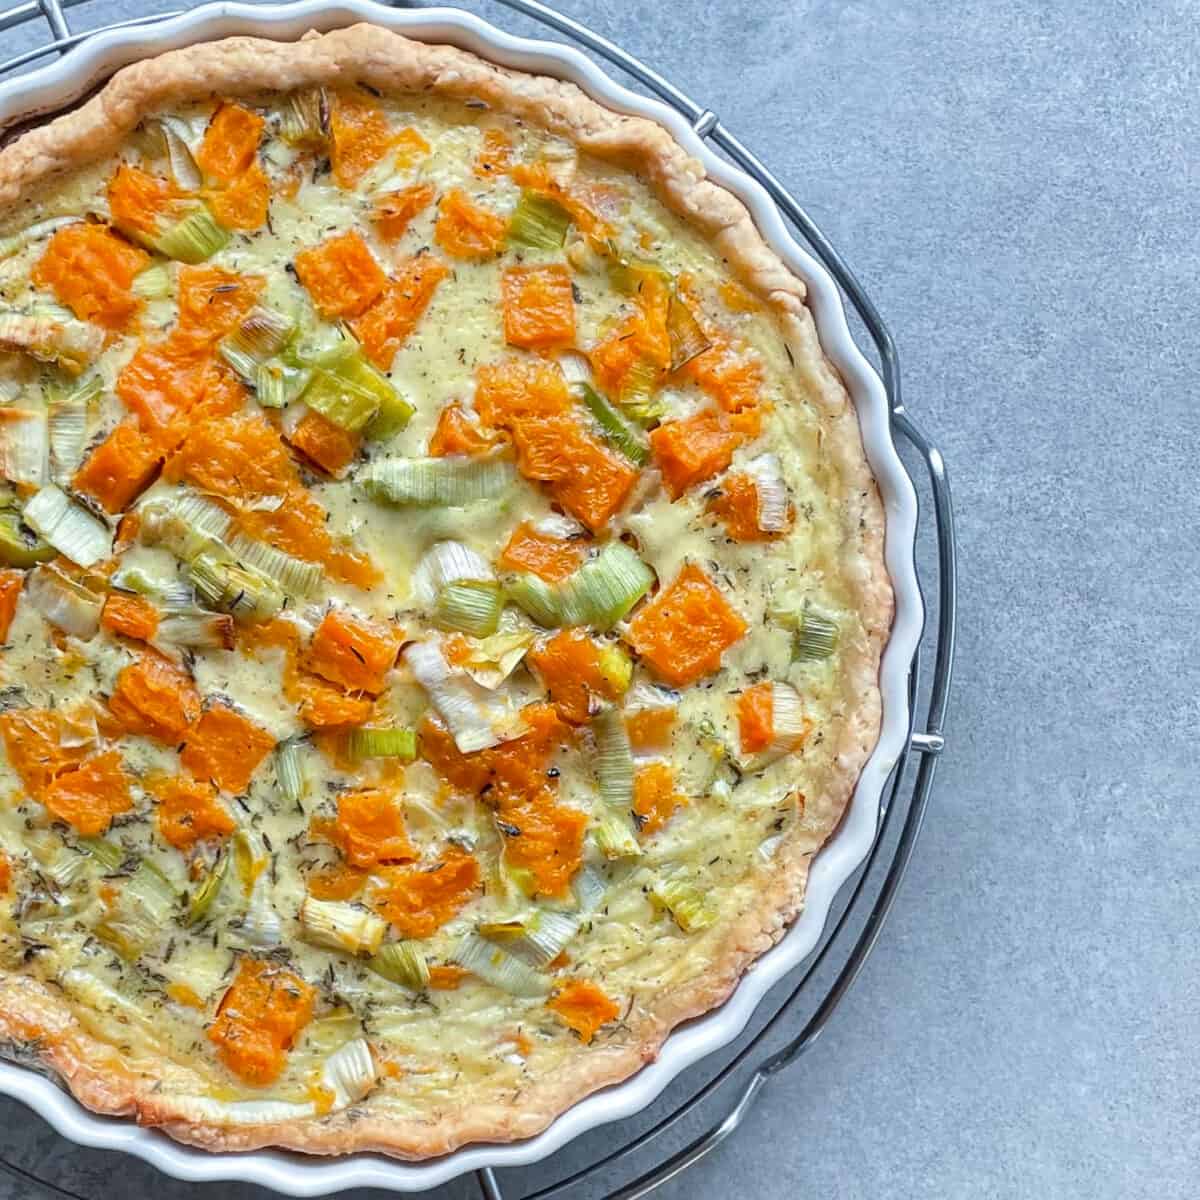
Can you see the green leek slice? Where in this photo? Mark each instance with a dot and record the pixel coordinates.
(240, 590)
(154, 283)
(289, 770)
(366, 742)
(497, 966)
(614, 758)
(539, 222)
(469, 606)
(297, 577)
(403, 963)
(816, 636)
(339, 401)
(193, 239)
(67, 426)
(201, 900)
(684, 332)
(19, 545)
(427, 482)
(276, 385)
(685, 902)
(618, 430)
(304, 120)
(263, 332)
(107, 854)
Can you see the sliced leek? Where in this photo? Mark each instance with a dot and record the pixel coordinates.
(295, 576)
(260, 925)
(179, 155)
(539, 222)
(686, 336)
(614, 758)
(305, 117)
(469, 606)
(289, 770)
(140, 913)
(445, 563)
(690, 907)
(238, 589)
(495, 965)
(427, 482)
(816, 636)
(349, 1073)
(193, 239)
(70, 529)
(403, 963)
(66, 604)
(600, 593)
(467, 708)
(107, 854)
(614, 834)
(335, 925)
(339, 401)
(201, 900)
(771, 491)
(14, 243)
(276, 385)
(538, 938)
(67, 426)
(197, 631)
(366, 742)
(618, 430)
(262, 333)
(25, 446)
(616, 666)
(154, 283)
(19, 546)
(51, 334)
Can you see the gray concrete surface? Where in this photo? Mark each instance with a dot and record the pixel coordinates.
(1016, 184)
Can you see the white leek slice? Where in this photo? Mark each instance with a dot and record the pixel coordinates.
(52, 335)
(197, 631)
(538, 938)
(426, 482)
(590, 887)
(349, 1073)
(469, 606)
(471, 712)
(16, 242)
(175, 136)
(63, 602)
(403, 963)
(336, 925)
(297, 577)
(68, 427)
(614, 759)
(771, 491)
(24, 446)
(70, 529)
(789, 726)
(497, 966)
(290, 774)
(491, 660)
(236, 588)
(260, 924)
(443, 563)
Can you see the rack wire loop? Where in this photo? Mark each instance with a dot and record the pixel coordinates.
(925, 744)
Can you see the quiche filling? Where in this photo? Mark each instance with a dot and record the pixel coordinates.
(423, 606)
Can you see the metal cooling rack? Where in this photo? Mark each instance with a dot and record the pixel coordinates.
(850, 937)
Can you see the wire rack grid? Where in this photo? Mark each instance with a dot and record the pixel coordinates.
(851, 933)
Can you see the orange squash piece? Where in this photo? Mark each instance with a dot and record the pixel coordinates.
(683, 632)
(549, 558)
(655, 797)
(341, 275)
(130, 616)
(119, 469)
(692, 450)
(569, 667)
(164, 380)
(33, 743)
(155, 699)
(339, 881)
(639, 340)
(539, 307)
(515, 770)
(737, 298)
(90, 796)
(213, 301)
(466, 230)
(457, 433)
(259, 1018)
(230, 144)
(409, 147)
(728, 372)
(369, 829)
(138, 201)
(756, 713)
(225, 747)
(359, 136)
(580, 202)
(328, 445)
(419, 899)
(11, 583)
(650, 729)
(394, 211)
(583, 1007)
(494, 153)
(353, 651)
(386, 324)
(736, 504)
(544, 839)
(189, 811)
(447, 977)
(6, 874)
(91, 270)
(244, 203)
(324, 706)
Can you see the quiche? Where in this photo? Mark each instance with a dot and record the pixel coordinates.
(442, 601)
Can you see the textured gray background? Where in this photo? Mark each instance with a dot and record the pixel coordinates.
(1016, 184)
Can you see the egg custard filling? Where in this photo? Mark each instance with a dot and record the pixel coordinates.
(441, 603)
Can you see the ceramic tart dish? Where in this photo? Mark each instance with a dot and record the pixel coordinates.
(443, 603)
